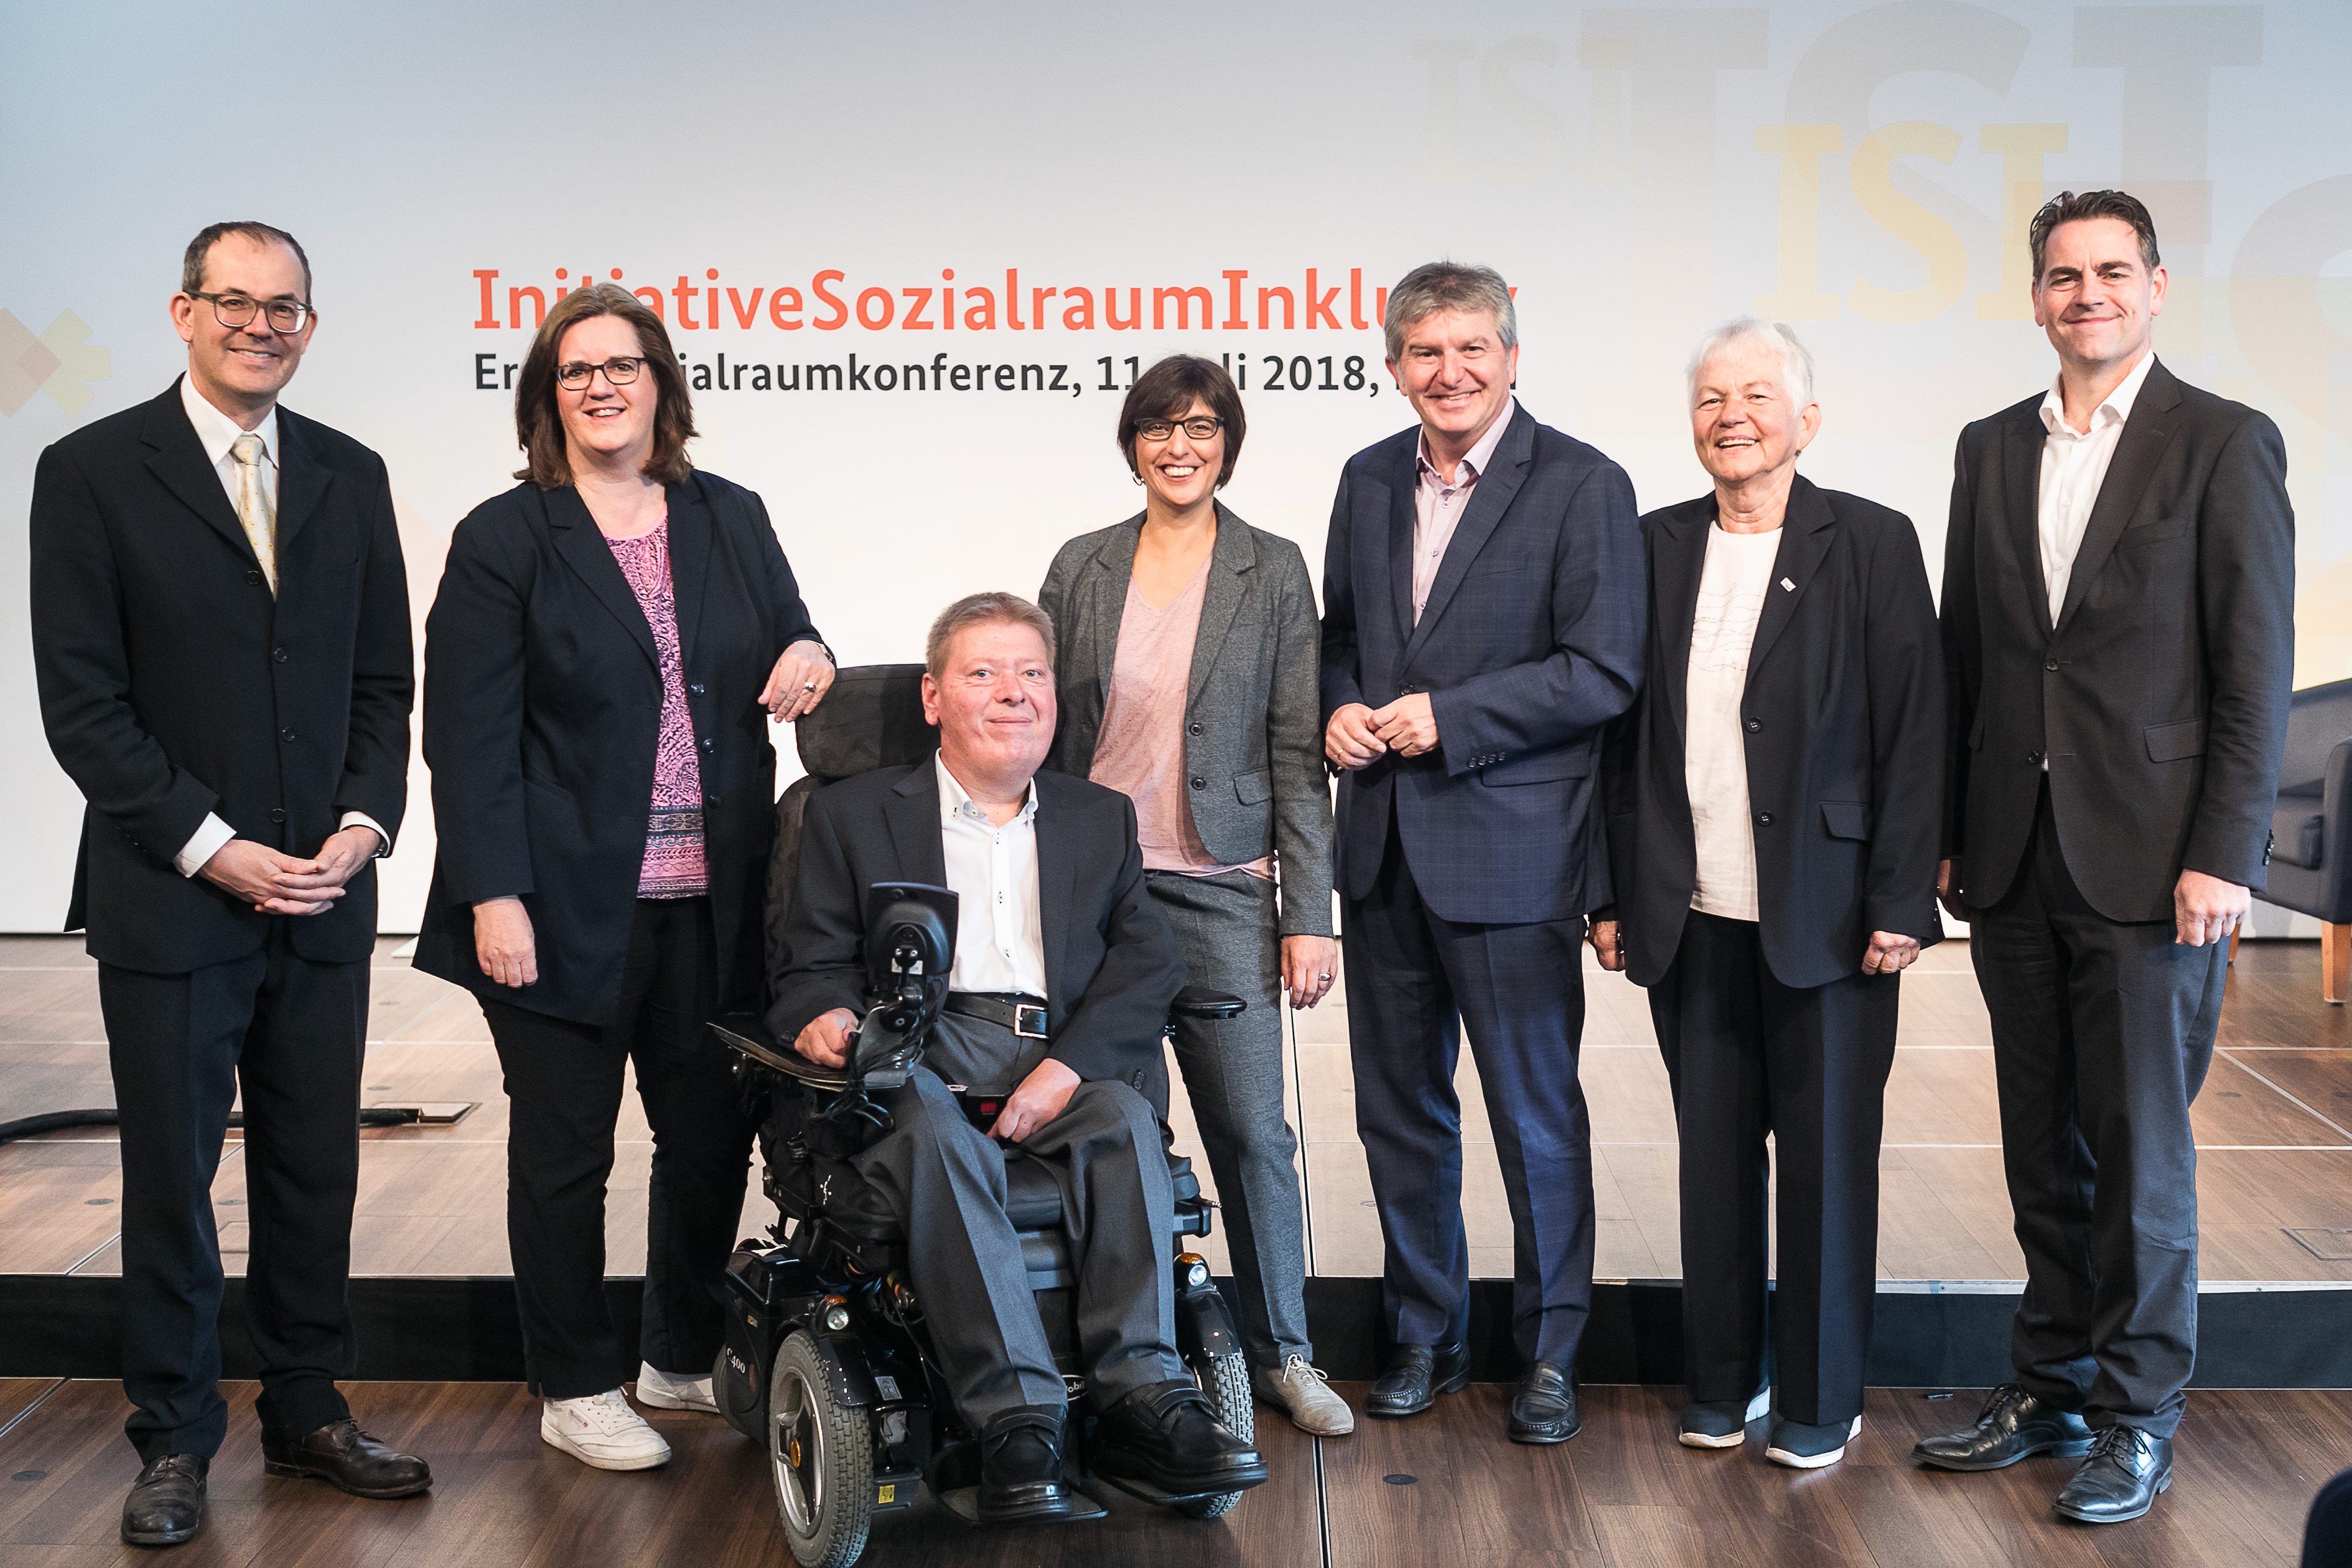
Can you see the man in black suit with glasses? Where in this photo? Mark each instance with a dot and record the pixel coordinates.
(221, 636)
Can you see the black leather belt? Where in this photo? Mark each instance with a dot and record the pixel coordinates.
(1025, 1016)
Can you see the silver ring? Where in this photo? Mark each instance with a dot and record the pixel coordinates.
(808, 685)
(1324, 977)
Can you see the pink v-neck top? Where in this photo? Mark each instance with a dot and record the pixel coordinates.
(1141, 752)
(675, 866)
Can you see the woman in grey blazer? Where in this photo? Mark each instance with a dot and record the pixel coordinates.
(1187, 679)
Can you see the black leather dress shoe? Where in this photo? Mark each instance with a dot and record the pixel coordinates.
(1416, 1375)
(1168, 1435)
(1543, 1407)
(2127, 1469)
(1021, 1468)
(339, 1452)
(2013, 1424)
(166, 1505)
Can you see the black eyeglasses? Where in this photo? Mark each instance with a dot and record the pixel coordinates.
(1202, 429)
(575, 377)
(236, 310)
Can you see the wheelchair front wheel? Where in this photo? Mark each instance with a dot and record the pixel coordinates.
(1225, 1379)
(821, 1459)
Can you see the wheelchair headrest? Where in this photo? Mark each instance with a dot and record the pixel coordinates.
(872, 718)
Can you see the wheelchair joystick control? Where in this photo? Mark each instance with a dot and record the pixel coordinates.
(910, 950)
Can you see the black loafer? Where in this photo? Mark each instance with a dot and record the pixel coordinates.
(2012, 1425)
(1543, 1407)
(1416, 1375)
(2120, 1480)
(1168, 1436)
(166, 1505)
(1020, 1466)
(339, 1452)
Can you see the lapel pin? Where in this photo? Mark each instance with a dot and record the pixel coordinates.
(1788, 585)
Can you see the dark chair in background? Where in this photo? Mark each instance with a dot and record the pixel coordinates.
(2311, 833)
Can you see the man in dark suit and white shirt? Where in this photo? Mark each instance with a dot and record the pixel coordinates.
(221, 636)
(1484, 597)
(2119, 633)
(1063, 975)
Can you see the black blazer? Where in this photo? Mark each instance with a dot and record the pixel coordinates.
(2161, 696)
(1111, 968)
(1253, 734)
(1844, 729)
(542, 712)
(1530, 643)
(173, 685)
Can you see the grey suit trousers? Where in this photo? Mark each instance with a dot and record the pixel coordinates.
(945, 1181)
(1225, 929)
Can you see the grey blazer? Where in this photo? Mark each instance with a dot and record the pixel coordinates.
(1253, 730)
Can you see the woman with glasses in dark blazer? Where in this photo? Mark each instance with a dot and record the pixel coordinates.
(1187, 678)
(611, 639)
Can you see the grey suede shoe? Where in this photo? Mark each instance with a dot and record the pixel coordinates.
(1302, 1393)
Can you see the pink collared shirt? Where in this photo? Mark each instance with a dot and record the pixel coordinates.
(1437, 506)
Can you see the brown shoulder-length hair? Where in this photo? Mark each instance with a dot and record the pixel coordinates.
(1172, 386)
(539, 428)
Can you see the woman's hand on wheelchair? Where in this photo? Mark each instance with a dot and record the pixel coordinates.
(1041, 1096)
(799, 682)
(825, 1040)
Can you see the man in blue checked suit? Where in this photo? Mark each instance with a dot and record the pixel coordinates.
(1483, 596)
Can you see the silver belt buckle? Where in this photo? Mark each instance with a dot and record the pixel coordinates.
(1024, 1017)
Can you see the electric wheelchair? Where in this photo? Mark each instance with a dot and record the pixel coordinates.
(827, 1361)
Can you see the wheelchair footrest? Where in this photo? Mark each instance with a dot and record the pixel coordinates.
(964, 1503)
(1134, 1487)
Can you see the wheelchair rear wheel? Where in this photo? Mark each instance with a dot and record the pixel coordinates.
(1225, 1379)
(821, 1459)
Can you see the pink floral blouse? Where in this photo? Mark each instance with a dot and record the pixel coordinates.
(674, 866)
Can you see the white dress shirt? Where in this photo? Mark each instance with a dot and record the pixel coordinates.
(993, 870)
(1731, 590)
(217, 433)
(1438, 504)
(2073, 465)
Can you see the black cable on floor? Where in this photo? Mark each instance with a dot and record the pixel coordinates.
(59, 1121)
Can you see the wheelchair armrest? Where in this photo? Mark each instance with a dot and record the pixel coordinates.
(747, 1033)
(1199, 1001)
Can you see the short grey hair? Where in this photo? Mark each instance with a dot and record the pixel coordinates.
(1449, 285)
(1796, 364)
(980, 610)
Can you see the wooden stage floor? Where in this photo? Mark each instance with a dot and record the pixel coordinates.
(2274, 1126)
(1442, 1489)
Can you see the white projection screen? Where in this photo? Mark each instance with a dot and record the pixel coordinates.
(797, 184)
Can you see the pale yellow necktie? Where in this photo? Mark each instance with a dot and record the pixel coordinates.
(253, 508)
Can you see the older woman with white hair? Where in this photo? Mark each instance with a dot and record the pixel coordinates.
(1773, 807)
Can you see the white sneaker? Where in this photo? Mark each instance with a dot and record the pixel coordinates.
(600, 1429)
(1300, 1390)
(663, 1392)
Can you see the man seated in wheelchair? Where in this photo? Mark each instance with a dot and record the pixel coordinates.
(1061, 982)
